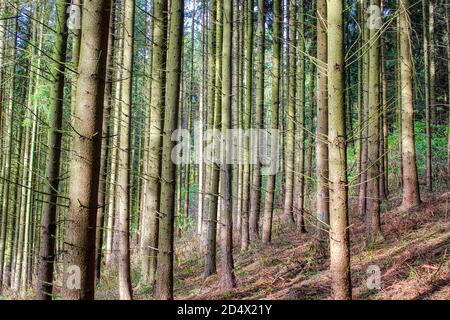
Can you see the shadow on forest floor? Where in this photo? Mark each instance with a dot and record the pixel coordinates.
(413, 259)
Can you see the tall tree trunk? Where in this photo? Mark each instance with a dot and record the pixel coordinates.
(123, 190)
(115, 249)
(7, 170)
(200, 142)
(108, 105)
(289, 136)
(322, 124)
(241, 109)
(79, 258)
(399, 103)
(164, 275)
(33, 115)
(255, 190)
(245, 238)
(227, 265)
(339, 227)
(269, 199)
(360, 90)
(145, 149)
(150, 217)
(112, 237)
(20, 230)
(426, 70)
(8, 193)
(210, 254)
(299, 162)
(364, 121)
(373, 224)
(432, 64)
(312, 100)
(188, 117)
(384, 131)
(210, 114)
(235, 115)
(411, 196)
(54, 137)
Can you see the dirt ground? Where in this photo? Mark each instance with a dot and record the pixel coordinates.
(413, 259)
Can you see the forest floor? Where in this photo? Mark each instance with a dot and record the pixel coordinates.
(413, 258)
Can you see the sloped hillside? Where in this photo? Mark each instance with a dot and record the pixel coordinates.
(413, 258)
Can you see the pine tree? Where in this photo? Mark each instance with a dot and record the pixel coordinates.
(164, 274)
(213, 204)
(411, 196)
(258, 114)
(373, 161)
(289, 136)
(79, 258)
(245, 236)
(322, 122)
(123, 189)
(339, 232)
(269, 199)
(150, 219)
(54, 140)
(299, 159)
(226, 239)
(426, 70)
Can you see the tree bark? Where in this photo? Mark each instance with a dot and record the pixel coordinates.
(226, 271)
(432, 64)
(150, 216)
(364, 121)
(210, 255)
(373, 223)
(426, 70)
(339, 228)
(188, 116)
(255, 190)
(7, 170)
(269, 199)
(79, 258)
(411, 196)
(112, 238)
(54, 137)
(245, 237)
(289, 136)
(108, 103)
(299, 158)
(209, 119)
(123, 191)
(322, 124)
(164, 274)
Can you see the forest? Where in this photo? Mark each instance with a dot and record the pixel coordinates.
(224, 150)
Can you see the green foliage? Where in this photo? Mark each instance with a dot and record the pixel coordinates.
(438, 150)
(27, 122)
(438, 145)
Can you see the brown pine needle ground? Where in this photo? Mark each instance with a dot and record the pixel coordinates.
(414, 261)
